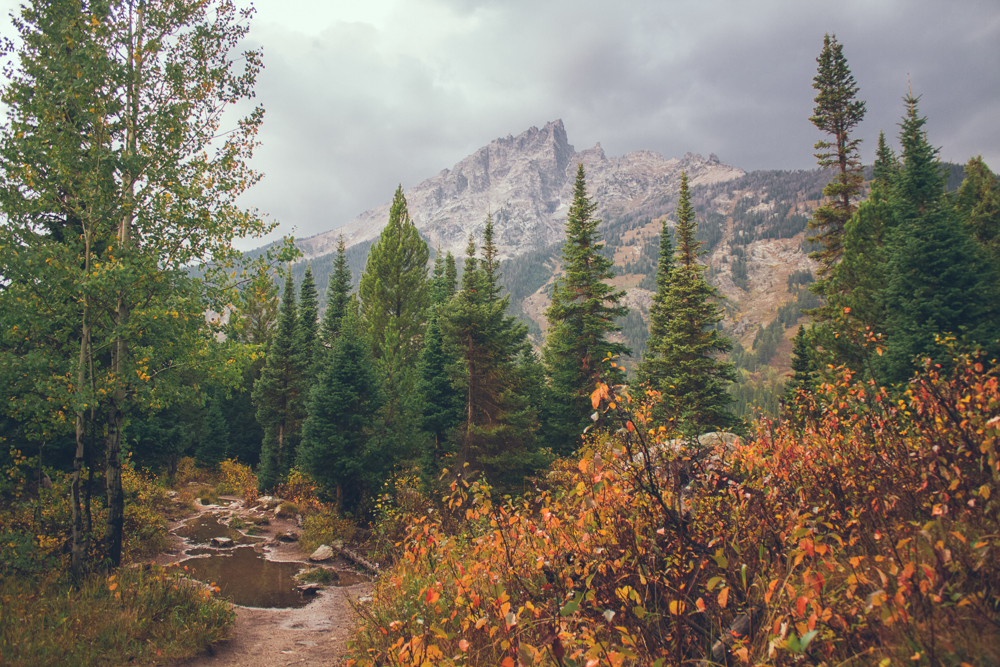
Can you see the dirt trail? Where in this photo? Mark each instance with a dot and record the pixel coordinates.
(314, 635)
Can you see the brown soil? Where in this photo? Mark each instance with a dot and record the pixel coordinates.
(313, 635)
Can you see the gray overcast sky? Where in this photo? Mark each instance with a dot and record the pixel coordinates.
(362, 95)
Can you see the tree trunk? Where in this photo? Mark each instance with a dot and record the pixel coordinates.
(81, 536)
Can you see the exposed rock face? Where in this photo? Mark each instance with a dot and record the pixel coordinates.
(526, 183)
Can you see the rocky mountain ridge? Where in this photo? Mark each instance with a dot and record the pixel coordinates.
(526, 183)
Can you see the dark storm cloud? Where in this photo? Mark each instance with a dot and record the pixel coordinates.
(361, 97)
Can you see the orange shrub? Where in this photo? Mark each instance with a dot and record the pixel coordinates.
(865, 529)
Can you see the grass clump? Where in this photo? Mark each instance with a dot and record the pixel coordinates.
(325, 528)
(286, 511)
(318, 575)
(137, 616)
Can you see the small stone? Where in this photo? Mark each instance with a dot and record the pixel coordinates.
(288, 537)
(324, 552)
(222, 542)
(366, 599)
(309, 589)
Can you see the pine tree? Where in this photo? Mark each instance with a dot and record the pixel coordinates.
(978, 204)
(442, 410)
(693, 382)
(394, 289)
(338, 296)
(803, 376)
(649, 369)
(279, 395)
(581, 317)
(338, 447)
(450, 274)
(837, 113)
(856, 299)
(213, 444)
(395, 295)
(307, 326)
(496, 431)
(939, 281)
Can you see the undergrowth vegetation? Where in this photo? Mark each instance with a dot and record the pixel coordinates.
(862, 529)
(136, 615)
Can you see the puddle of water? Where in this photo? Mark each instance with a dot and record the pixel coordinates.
(248, 579)
(201, 529)
(349, 579)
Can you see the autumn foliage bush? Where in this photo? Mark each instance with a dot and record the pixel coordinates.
(864, 530)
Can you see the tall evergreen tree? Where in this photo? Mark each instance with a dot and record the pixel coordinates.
(649, 369)
(213, 442)
(855, 294)
(395, 295)
(803, 376)
(939, 280)
(280, 395)
(394, 290)
(450, 274)
(338, 445)
(338, 296)
(684, 364)
(443, 403)
(581, 317)
(307, 326)
(837, 113)
(496, 431)
(978, 204)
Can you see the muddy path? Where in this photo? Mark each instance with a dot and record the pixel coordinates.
(315, 634)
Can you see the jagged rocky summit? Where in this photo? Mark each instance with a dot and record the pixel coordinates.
(526, 183)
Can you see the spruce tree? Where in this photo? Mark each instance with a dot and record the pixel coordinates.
(650, 368)
(691, 379)
(496, 432)
(279, 396)
(442, 410)
(855, 294)
(581, 317)
(394, 290)
(450, 274)
(939, 280)
(443, 404)
(803, 376)
(307, 327)
(338, 296)
(213, 441)
(395, 295)
(837, 113)
(338, 448)
(978, 204)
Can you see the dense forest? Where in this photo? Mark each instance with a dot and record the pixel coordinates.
(602, 494)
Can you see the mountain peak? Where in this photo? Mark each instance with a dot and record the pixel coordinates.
(526, 183)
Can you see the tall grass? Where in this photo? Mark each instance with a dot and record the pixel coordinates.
(135, 617)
